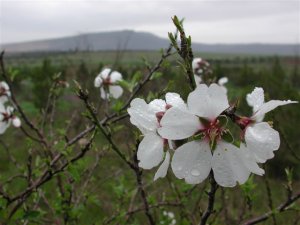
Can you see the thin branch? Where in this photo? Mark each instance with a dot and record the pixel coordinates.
(281, 208)
(211, 199)
(138, 173)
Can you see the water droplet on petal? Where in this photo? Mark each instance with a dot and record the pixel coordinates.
(195, 172)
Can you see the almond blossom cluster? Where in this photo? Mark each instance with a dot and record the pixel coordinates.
(7, 116)
(202, 124)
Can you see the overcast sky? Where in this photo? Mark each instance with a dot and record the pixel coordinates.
(210, 21)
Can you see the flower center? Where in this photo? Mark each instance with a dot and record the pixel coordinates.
(243, 122)
(213, 131)
(159, 115)
(2, 91)
(7, 117)
(107, 81)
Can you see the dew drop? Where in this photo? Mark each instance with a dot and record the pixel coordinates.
(195, 172)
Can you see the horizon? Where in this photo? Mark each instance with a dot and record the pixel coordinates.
(209, 22)
(137, 31)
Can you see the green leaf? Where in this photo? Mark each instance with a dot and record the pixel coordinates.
(118, 104)
(136, 77)
(223, 120)
(156, 75)
(205, 122)
(124, 84)
(32, 214)
(227, 136)
(74, 172)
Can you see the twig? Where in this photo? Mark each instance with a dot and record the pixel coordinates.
(128, 213)
(83, 95)
(138, 173)
(269, 195)
(47, 175)
(211, 199)
(281, 208)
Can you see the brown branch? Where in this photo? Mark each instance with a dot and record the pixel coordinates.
(83, 95)
(128, 213)
(139, 180)
(47, 175)
(281, 208)
(211, 199)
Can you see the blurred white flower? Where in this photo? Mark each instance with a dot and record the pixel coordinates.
(200, 66)
(194, 160)
(7, 117)
(261, 139)
(4, 92)
(107, 81)
(222, 81)
(147, 118)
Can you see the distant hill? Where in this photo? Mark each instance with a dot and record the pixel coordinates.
(131, 40)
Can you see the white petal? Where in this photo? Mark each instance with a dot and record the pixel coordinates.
(195, 63)
(208, 102)
(227, 166)
(198, 80)
(4, 85)
(4, 126)
(270, 105)
(104, 73)
(249, 160)
(192, 161)
(175, 100)
(2, 108)
(16, 122)
(222, 81)
(115, 76)
(163, 169)
(3, 99)
(141, 116)
(262, 140)
(157, 105)
(115, 91)
(177, 124)
(150, 151)
(256, 98)
(98, 81)
(103, 93)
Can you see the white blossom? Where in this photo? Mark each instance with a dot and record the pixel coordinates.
(147, 118)
(199, 66)
(261, 139)
(4, 92)
(7, 117)
(107, 81)
(194, 160)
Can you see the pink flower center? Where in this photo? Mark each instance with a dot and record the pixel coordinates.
(7, 117)
(3, 91)
(212, 130)
(107, 81)
(159, 115)
(243, 122)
